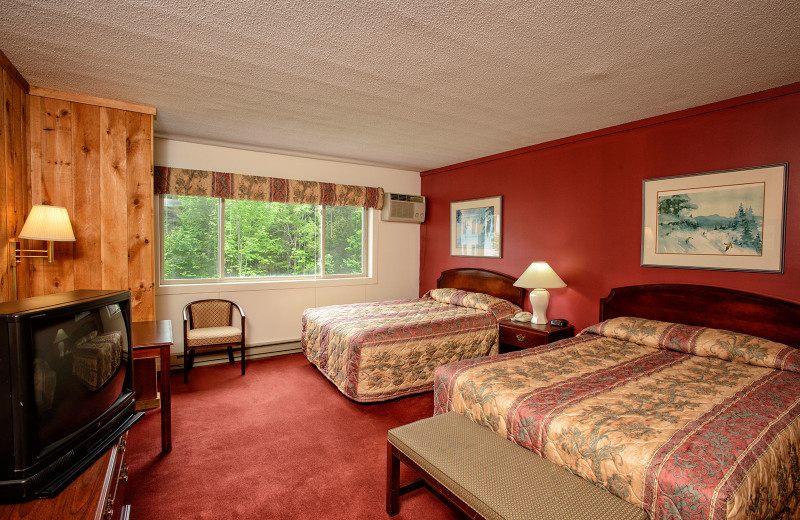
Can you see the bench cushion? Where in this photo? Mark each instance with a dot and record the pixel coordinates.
(499, 479)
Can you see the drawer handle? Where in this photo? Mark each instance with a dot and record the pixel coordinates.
(521, 337)
(109, 508)
(123, 474)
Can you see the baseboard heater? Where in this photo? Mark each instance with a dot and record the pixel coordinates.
(215, 357)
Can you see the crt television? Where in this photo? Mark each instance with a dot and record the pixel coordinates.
(66, 387)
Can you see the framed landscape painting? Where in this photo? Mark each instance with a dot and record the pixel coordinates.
(475, 227)
(729, 220)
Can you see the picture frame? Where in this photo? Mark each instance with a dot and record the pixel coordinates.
(475, 227)
(730, 220)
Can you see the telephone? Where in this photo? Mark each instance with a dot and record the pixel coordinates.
(522, 316)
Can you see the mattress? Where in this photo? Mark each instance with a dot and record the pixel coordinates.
(380, 351)
(684, 422)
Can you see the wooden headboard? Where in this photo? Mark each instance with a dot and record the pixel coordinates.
(483, 281)
(716, 307)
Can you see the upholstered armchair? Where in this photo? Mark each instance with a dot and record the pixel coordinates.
(208, 324)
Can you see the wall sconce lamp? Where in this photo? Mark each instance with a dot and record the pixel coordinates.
(49, 223)
(539, 276)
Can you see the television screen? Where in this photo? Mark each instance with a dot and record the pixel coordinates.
(79, 364)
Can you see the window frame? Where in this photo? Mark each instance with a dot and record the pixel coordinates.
(367, 254)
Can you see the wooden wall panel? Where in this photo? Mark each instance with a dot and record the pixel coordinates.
(86, 221)
(6, 191)
(56, 183)
(25, 269)
(113, 199)
(98, 163)
(140, 215)
(13, 167)
(21, 177)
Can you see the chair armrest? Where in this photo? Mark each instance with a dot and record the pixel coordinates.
(241, 313)
(186, 317)
(239, 308)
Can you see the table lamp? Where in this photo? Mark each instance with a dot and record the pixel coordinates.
(49, 223)
(539, 277)
(61, 337)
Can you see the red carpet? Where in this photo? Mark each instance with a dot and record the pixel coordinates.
(279, 442)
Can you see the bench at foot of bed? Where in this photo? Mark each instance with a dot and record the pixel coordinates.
(487, 476)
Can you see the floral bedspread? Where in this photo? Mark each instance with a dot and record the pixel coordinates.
(379, 351)
(684, 422)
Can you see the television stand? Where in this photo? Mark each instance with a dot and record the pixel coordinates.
(97, 493)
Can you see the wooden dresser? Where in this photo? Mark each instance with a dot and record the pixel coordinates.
(98, 494)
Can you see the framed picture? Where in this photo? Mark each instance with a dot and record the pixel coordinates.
(475, 227)
(730, 220)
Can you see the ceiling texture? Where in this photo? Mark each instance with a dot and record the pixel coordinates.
(406, 84)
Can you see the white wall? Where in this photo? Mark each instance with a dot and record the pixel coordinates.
(274, 308)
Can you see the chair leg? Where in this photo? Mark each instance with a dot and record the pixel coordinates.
(230, 355)
(242, 358)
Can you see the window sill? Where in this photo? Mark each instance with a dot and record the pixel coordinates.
(261, 285)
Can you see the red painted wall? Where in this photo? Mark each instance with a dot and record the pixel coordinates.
(577, 203)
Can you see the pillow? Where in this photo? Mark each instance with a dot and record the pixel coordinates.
(701, 341)
(84, 339)
(500, 309)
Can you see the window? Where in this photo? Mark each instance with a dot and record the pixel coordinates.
(215, 239)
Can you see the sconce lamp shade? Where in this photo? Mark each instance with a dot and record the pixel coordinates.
(539, 275)
(48, 223)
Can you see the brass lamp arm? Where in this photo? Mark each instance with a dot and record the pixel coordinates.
(16, 254)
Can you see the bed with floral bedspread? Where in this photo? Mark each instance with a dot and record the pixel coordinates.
(380, 351)
(685, 422)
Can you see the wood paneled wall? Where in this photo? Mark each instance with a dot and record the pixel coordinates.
(95, 157)
(14, 180)
(97, 162)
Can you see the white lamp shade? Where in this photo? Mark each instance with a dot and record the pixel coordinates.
(539, 275)
(48, 223)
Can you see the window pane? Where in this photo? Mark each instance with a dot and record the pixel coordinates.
(344, 244)
(271, 239)
(191, 237)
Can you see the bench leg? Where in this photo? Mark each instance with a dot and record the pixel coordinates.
(392, 480)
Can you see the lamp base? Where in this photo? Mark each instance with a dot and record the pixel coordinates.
(540, 299)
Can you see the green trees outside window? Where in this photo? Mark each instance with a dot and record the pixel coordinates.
(191, 237)
(259, 239)
(344, 240)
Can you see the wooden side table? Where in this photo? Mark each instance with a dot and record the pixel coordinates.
(153, 339)
(517, 334)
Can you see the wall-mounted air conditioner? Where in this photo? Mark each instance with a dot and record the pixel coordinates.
(403, 208)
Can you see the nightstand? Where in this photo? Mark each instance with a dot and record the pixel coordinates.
(517, 334)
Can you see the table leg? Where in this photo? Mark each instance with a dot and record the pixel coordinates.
(166, 402)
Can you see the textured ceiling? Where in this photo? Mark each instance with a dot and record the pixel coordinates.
(407, 84)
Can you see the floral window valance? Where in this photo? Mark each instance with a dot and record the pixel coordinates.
(201, 183)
